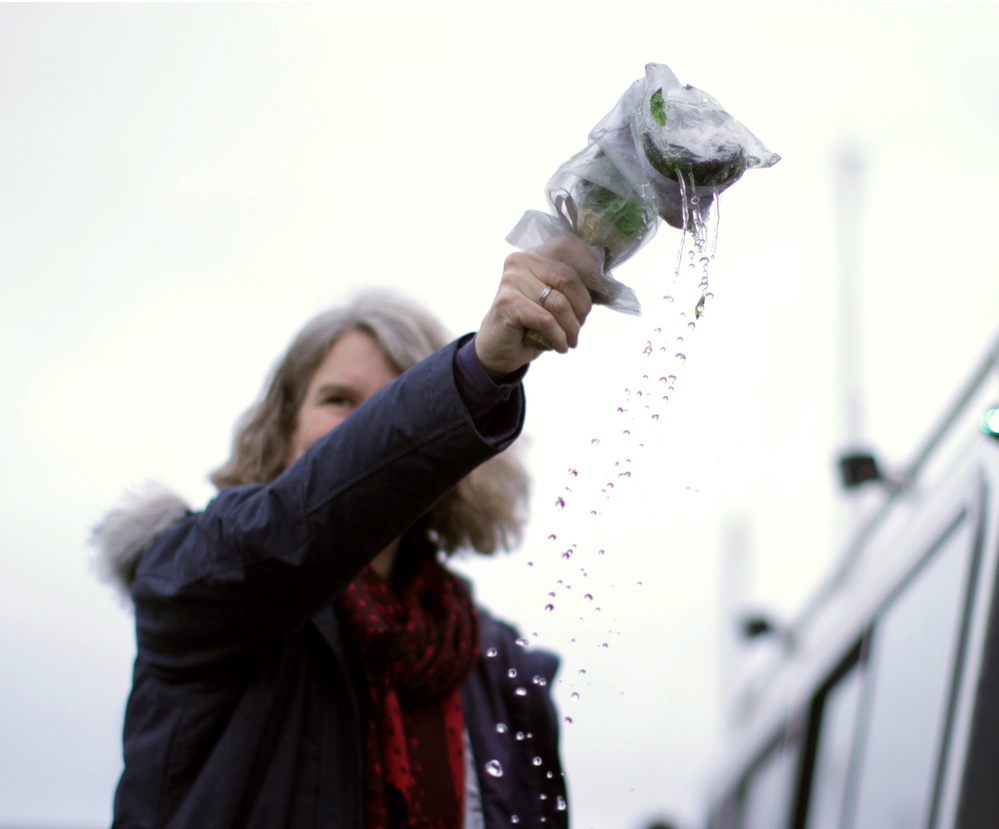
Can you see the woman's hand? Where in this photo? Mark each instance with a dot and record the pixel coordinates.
(543, 292)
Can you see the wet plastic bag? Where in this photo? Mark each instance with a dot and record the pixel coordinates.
(665, 152)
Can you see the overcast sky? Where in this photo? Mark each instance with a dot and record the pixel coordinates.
(184, 185)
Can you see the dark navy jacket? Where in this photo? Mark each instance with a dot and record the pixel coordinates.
(242, 712)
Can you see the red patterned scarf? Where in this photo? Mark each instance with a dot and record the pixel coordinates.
(414, 649)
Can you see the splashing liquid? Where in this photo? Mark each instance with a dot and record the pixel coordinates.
(604, 468)
(700, 236)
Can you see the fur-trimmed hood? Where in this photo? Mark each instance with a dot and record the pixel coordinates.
(126, 532)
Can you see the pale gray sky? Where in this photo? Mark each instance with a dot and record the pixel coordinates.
(183, 185)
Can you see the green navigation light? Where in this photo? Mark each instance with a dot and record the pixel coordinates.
(990, 422)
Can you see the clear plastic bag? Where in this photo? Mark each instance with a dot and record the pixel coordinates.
(660, 146)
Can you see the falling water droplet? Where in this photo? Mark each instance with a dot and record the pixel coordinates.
(491, 653)
(523, 642)
(560, 501)
(540, 681)
(560, 803)
(494, 768)
(681, 357)
(501, 728)
(567, 720)
(521, 692)
(595, 442)
(512, 673)
(537, 761)
(549, 607)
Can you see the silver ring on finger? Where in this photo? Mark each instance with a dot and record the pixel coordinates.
(544, 294)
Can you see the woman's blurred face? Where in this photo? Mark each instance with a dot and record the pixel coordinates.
(353, 370)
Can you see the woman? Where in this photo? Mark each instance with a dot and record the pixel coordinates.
(304, 658)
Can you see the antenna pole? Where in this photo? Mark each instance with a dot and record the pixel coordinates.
(849, 174)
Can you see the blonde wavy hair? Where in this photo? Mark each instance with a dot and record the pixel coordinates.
(485, 512)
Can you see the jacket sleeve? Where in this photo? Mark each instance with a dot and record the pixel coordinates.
(260, 560)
